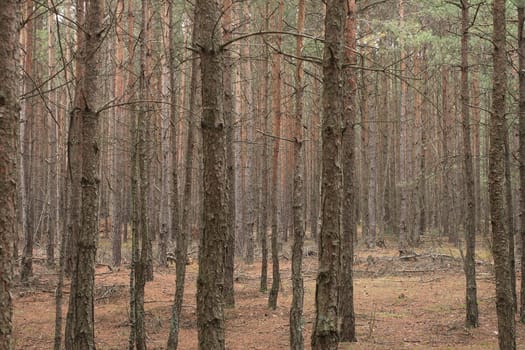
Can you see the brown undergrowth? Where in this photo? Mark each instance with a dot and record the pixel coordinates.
(414, 302)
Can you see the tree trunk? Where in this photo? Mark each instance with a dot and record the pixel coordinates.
(509, 212)
(325, 330)
(26, 269)
(9, 114)
(229, 262)
(249, 195)
(521, 48)
(276, 112)
(166, 77)
(265, 166)
(296, 309)
(118, 162)
(53, 187)
(349, 227)
(470, 220)
(446, 203)
(181, 253)
(500, 244)
(140, 245)
(210, 314)
(83, 278)
(404, 154)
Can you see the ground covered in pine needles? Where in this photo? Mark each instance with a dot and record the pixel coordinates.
(410, 302)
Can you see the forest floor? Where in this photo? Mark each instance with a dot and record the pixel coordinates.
(414, 303)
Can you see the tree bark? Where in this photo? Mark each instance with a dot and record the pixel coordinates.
(471, 319)
(265, 163)
(349, 228)
(229, 262)
(296, 309)
(181, 253)
(167, 66)
(210, 314)
(83, 278)
(500, 244)
(521, 48)
(325, 330)
(9, 114)
(277, 115)
(26, 269)
(509, 213)
(249, 195)
(404, 154)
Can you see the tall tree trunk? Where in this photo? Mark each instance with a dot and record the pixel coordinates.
(521, 48)
(372, 177)
(118, 181)
(27, 118)
(53, 187)
(167, 67)
(250, 173)
(210, 314)
(296, 310)
(134, 234)
(181, 230)
(140, 251)
(404, 153)
(265, 166)
(424, 124)
(325, 330)
(349, 227)
(500, 244)
(83, 278)
(277, 115)
(9, 114)
(446, 203)
(229, 262)
(181, 253)
(470, 220)
(509, 212)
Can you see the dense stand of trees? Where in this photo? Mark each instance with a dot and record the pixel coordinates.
(243, 128)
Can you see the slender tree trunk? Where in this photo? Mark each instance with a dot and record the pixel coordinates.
(470, 220)
(250, 173)
(182, 230)
(404, 154)
(181, 254)
(521, 48)
(118, 181)
(134, 235)
(83, 278)
(424, 124)
(277, 114)
(53, 187)
(509, 212)
(27, 118)
(325, 330)
(296, 310)
(446, 204)
(140, 252)
(349, 227)
(500, 244)
(164, 215)
(9, 117)
(265, 166)
(210, 314)
(372, 179)
(229, 262)
(59, 294)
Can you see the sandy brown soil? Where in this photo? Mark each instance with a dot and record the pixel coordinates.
(400, 304)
